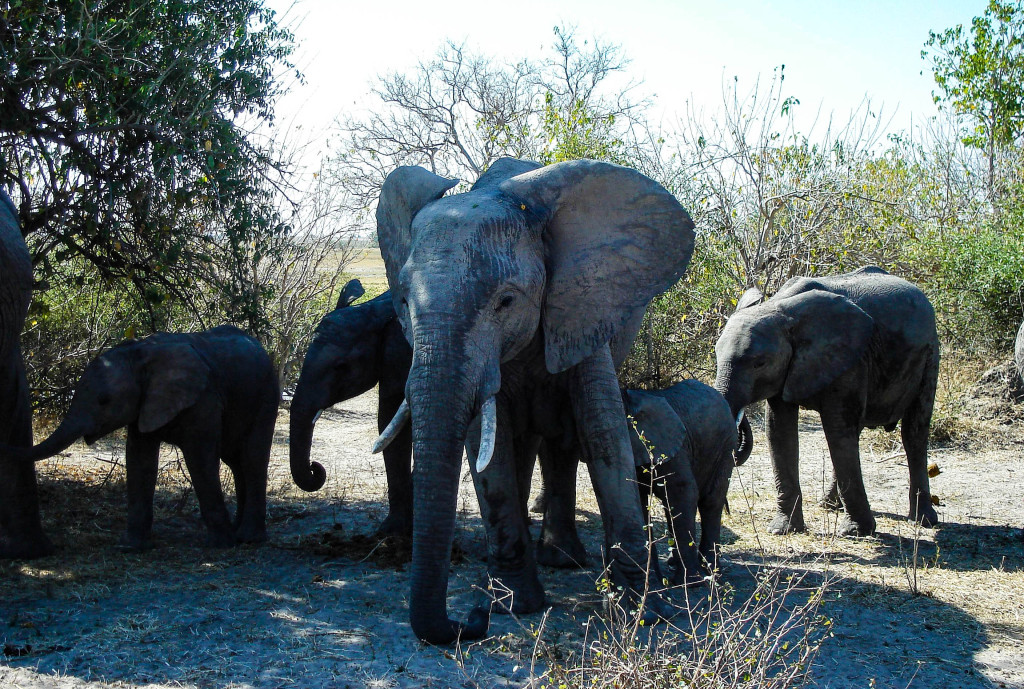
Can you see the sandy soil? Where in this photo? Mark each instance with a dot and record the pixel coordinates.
(324, 605)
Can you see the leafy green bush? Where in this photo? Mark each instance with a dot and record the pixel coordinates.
(974, 277)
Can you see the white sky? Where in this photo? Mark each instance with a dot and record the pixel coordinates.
(836, 53)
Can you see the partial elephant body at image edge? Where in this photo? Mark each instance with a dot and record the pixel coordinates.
(21, 529)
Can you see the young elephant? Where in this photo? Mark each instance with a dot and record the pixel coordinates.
(683, 445)
(213, 394)
(861, 349)
(355, 348)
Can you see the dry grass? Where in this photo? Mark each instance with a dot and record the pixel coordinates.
(911, 607)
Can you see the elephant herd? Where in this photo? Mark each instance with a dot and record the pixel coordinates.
(511, 306)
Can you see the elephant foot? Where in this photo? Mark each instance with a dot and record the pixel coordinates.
(566, 552)
(519, 593)
(832, 501)
(397, 526)
(26, 548)
(689, 578)
(784, 524)
(656, 608)
(251, 534)
(220, 539)
(540, 503)
(849, 528)
(134, 544)
(926, 516)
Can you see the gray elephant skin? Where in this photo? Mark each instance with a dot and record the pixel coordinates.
(21, 529)
(535, 279)
(861, 349)
(353, 349)
(684, 447)
(212, 394)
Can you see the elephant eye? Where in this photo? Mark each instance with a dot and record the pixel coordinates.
(505, 301)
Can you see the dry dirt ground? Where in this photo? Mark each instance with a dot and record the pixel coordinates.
(324, 605)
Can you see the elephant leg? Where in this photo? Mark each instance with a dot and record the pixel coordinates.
(711, 506)
(398, 467)
(784, 446)
(598, 411)
(914, 430)
(510, 557)
(204, 467)
(251, 482)
(540, 503)
(559, 544)
(142, 460)
(832, 501)
(843, 445)
(240, 497)
(21, 526)
(677, 488)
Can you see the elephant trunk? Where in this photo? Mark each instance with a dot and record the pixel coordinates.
(70, 430)
(724, 384)
(442, 406)
(309, 476)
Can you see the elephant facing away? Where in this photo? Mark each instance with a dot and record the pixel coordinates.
(861, 349)
(213, 394)
(21, 529)
(353, 349)
(535, 277)
(684, 448)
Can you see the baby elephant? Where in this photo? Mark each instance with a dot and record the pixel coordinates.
(684, 448)
(213, 394)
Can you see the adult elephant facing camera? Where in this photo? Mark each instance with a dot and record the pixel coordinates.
(861, 349)
(535, 280)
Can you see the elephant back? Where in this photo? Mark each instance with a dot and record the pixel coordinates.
(705, 412)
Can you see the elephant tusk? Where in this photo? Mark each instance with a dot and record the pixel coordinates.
(394, 428)
(488, 429)
(316, 417)
(739, 417)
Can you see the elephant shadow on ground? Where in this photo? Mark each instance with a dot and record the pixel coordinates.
(956, 546)
(323, 599)
(324, 603)
(869, 633)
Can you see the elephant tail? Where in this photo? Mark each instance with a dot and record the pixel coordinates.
(745, 443)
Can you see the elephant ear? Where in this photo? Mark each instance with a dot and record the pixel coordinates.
(175, 377)
(658, 425)
(829, 334)
(352, 290)
(752, 297)
(404, 193)
(614, 239)
(502, 169)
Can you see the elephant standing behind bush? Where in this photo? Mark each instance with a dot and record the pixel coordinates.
(683, 445)
(21, 530)
(213, 394)
(862, 350)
